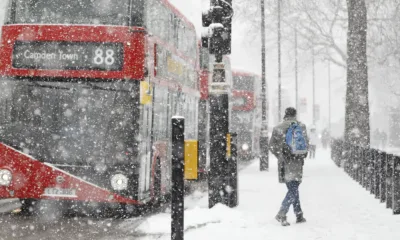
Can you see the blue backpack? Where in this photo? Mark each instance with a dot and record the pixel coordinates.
(295, 140)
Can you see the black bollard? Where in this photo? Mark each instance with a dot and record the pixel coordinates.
(367, 169)
(357, 163)
(342, 150)
(383, 177)
(389, 181)
(369, 177)
(396, 185)
(350, 162)
(346, 157)
(372, 174)
(178, 185)
(362, 166)
(349, 156)
(378, 159)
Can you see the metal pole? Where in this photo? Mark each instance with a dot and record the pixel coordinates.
(219, 130)
(220, 181)
(313, 83)
(296, 68)
(279, 63)
(389, 180)
(264, 160)
(177, 201)
(329, 79)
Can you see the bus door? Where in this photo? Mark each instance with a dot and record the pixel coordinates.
(146, 141)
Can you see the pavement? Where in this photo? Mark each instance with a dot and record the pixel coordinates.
(335, 206)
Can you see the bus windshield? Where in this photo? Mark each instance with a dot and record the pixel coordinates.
(69, 123)
(241, 121)
(92, 12)
(245, 83)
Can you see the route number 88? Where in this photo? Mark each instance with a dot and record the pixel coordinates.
(99, 57)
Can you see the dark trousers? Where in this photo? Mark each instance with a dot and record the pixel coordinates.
(292, 197)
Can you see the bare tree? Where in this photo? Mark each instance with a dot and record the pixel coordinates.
(318, 23)
(357, 127)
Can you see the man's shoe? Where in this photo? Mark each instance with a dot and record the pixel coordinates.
(282, 220)
(300, 218)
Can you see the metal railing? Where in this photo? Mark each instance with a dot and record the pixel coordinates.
(377, 171)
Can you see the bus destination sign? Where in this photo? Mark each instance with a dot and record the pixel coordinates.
(68, 55)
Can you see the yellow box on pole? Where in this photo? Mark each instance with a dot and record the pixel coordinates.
(191, 159)
(145, 93)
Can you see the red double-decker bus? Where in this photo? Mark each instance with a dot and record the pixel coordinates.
(87, 92)
(246, 113)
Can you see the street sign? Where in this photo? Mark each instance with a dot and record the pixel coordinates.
(317, 112)
(302, 105)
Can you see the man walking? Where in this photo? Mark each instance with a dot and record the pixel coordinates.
(289, 143)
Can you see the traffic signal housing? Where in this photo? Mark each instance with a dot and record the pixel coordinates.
(218, 19)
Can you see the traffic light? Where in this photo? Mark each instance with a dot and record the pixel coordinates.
(218, 19)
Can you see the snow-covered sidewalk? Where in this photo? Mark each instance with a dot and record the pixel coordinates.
(335, 207)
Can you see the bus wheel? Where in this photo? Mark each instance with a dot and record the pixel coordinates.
(49, 211)
(128, 211)
(27, 206)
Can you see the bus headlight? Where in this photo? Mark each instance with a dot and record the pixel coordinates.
(119, 182)
(100, 167)
(245, 147)
(5, 177)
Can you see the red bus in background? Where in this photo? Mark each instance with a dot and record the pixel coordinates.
(87, 91)
(246, 113)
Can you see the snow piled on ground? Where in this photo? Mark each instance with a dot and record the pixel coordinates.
(335, 206)
(218, 221)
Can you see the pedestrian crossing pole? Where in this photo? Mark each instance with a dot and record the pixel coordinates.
(222, 188)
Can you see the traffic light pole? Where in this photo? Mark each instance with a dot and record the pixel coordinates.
(219, 130)
(264, 160)
(279, 64)
(313, 85)
(222, 181)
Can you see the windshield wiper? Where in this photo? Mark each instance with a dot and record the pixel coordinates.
(47, 86)
(96, 87)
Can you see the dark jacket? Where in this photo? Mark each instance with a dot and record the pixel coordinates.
(290, 167)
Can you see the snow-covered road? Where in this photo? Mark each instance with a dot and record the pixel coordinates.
(336, 207)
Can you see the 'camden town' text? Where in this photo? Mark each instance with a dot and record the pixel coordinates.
(51, 56)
